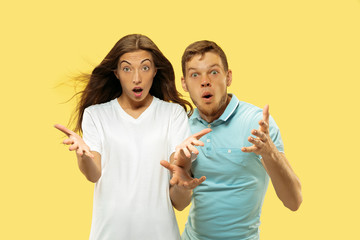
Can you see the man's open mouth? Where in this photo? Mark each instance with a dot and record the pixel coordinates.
(207, 95)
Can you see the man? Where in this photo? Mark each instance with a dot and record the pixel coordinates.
(237, 166)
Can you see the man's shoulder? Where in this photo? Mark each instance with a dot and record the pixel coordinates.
(248, 111)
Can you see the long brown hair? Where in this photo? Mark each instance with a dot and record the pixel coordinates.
(103, 86)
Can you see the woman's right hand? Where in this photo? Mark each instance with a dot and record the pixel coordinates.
(76, 142)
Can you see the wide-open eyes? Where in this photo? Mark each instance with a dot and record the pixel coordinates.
(194, 75)
(126, 69)
(145, 68)
(214, 72)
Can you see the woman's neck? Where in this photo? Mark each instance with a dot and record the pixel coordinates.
(134, 108)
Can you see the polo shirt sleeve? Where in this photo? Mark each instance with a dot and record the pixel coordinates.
(179, 130)
(91, 134)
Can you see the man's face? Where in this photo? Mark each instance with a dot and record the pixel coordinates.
(207, 82)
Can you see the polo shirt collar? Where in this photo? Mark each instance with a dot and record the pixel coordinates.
(230, 109)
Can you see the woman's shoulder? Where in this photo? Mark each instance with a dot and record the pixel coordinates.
(100, 107)
(170, 106)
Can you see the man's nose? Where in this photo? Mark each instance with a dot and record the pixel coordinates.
(205, 82)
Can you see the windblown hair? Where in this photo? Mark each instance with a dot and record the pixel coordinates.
(103, 86)
(200, 48)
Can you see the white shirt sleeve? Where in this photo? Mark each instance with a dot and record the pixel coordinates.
(180, 128)
(91, 134)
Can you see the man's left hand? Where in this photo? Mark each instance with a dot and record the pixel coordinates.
(262, 144)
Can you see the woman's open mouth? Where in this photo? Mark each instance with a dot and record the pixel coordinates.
(137, 91)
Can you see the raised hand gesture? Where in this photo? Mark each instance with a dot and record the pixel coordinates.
(75, 141)
(181, 161)
(183, 152)
(286, 184)
(262, 144)
(89, 162)
(181, 177)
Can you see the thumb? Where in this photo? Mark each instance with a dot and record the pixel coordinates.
(166, 165)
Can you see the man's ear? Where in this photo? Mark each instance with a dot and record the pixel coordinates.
(183, 83)
(229, 78)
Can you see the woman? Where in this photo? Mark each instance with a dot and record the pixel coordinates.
(131, 119)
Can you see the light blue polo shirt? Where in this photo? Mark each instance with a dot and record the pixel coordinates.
(228, 204)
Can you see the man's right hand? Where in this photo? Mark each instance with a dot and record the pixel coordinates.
(182, 155)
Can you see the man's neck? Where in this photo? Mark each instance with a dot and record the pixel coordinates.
(221, 110)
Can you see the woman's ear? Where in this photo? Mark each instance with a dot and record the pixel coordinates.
(116, 74)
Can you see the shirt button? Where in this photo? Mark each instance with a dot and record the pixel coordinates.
(209, 125)
(207, 140)
(229, 151)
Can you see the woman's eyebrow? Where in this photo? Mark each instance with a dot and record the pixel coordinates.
(146, 60)
(125, 62)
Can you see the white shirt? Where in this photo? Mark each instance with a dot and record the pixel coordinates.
(131, 199)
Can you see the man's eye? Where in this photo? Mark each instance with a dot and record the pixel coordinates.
(214, 72)
(126, 69)
(194, 75)
(145, 68)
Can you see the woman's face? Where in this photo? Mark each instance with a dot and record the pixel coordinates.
(136, 71)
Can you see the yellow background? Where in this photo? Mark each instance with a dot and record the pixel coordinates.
(301, 57)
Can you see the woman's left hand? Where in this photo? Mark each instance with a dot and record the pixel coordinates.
(181, 177)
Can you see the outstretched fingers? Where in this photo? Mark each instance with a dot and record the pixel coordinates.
(190, 149)
(259, 134)
(195, 182)
(186, 151)
(249, 149)
(197, 142)
(74, 146)
(63, 129)
(266, 113)
(201, 133)
(167, 165)
(264, 127)
(174, 180)
(264, 123)
(200, 180)
(256, 141)
(262, 134)
(68, 141)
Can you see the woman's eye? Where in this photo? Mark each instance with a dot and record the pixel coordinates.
(194, 75)
(126, 69)
(145, 68)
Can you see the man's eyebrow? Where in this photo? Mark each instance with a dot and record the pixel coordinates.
(215, 65)
(189, 69)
